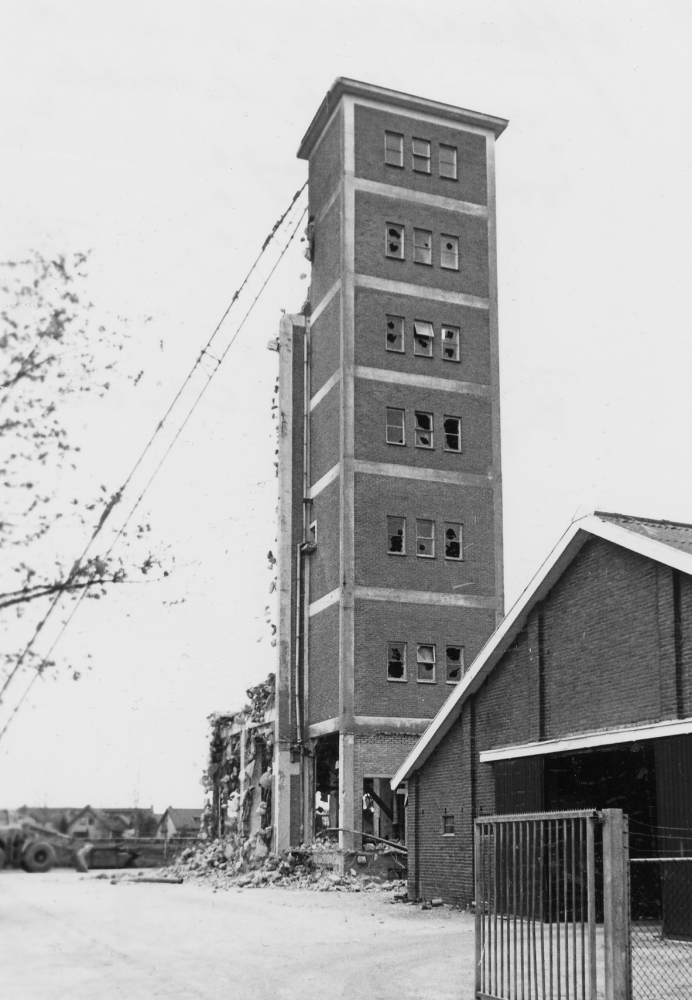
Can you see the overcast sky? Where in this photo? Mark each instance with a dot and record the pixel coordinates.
(162, 136)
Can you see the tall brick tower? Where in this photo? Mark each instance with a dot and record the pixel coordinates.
(390, 509)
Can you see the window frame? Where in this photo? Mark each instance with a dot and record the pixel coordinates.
(455, 252)
(387, 238)
(397, 135)
(462, 667)
(426, 158)
(445, 832)
(395, 409)
(404, 677)
(456, 342)
(417, 430)
(445, 418)
(425, 538)
(426, 680)
(390, 552)
(460, 533)
(430, 336)
(455, 150)
(419, 246)
(396, 319)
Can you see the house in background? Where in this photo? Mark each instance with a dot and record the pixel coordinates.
(96, 824)
(179, 823)
(582, 699)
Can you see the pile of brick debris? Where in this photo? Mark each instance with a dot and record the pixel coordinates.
(222, 866)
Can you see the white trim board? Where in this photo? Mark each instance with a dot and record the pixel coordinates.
(327, 387)
(397, 471)
(322, 483)
(437, 598)
(421, 381)
(419, 291)
(324, 602)
(419, 197)
(652, 731)
(324, 302)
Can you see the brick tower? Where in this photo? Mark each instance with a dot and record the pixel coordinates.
(390, 506)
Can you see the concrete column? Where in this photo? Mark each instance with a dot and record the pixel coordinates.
(346, 790)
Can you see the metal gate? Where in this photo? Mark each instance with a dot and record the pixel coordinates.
(661, 921)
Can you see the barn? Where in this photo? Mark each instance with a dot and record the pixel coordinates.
(581, 699)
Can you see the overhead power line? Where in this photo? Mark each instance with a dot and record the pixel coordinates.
(116, 498)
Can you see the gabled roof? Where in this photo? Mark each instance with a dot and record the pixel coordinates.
(116, 824)
(667, 542)
(182, 818)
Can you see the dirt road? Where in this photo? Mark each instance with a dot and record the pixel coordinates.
(71, 936)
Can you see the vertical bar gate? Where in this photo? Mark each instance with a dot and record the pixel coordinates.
(536, 906)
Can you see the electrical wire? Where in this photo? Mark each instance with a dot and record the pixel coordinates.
(117, 496)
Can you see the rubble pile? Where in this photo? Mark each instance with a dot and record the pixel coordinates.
(223, 864)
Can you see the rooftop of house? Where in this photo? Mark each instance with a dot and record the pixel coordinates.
(184, 817)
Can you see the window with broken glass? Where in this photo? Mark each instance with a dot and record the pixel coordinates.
(395, 334)
(422, 246)
(394, 240)
(448, 825)
(452, 429)
(450, 343)
(448, 162)
(420, 153)
(423, 335)
(426, 664)
(396, 536)
(449, 252)
(454, 656)
(396, 661)
(425, 539)
(453, 540)
(394, 149)
(396, 430)
(424, 430)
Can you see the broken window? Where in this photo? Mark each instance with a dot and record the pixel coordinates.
(448, 825)
(452, 429)
(448, 162)
(394, 149)
(420, 150)
(396, 661)
(422, 246)
(426, 664)
(423, 334)
(454, 656)
(453, 540)
(450, 343)
(424, 430)
(449, 252)
(396, 432)
(395, 333)
(394, 240)
(425, 539)
(396, 536)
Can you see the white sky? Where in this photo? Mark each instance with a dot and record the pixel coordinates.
(163, 135)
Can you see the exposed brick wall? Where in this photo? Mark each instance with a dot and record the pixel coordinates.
(377, 755)
(378, 496)
(325, 166)
(371, 310)
(324, 562)
(686, 602)
(327, 259)
(371, 402)
(325, 425)
(381, 622)
(323, 665)
(325, 344)
(373, 212)
(471, 158)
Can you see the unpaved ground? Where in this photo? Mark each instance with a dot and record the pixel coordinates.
(70, 936)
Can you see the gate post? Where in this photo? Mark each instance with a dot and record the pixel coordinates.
(616, 904)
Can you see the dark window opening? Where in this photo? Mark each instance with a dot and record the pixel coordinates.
(396, 535)
(448, 825)
(453, 539)
(396, 661)
(455, 664)
(424, 430)
(452, 429)
(394, 241)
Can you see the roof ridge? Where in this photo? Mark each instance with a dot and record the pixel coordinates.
(637, 517)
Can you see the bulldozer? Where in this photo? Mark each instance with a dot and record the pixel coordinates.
(25, 844)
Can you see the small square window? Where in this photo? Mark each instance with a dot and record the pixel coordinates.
(449, 252)
(396, 661)
(448, 162)
(452, 429)
(450, 343)
(448, 825)
(422, 246)
(425, 539)
(424, 430)
(454, 656)
(395, 334)
(420, 149)
(396, 536)
(453, 540)
(396, 430)
(423, 335)
(394, 149)
(312, 533)
(394, 240)
(426, 664)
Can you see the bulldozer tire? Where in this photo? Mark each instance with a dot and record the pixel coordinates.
(38, 857)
